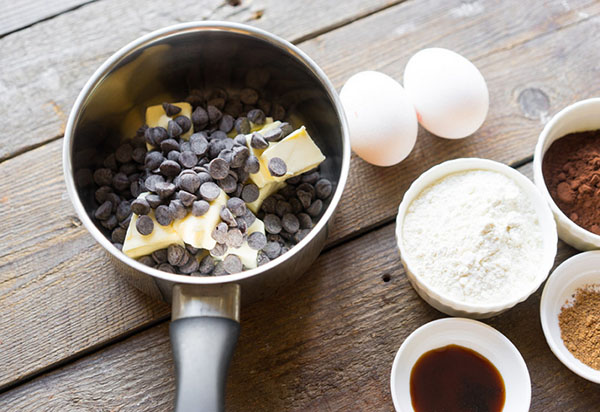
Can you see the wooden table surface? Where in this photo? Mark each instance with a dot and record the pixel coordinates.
(75, 336)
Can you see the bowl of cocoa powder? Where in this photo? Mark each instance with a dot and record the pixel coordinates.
(570, 314)
(566, 169)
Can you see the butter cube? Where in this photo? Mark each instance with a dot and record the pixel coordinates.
(297, 150)
(156, 117)
(247, 255)
(137, 245)
(197, 230)
(264, 192)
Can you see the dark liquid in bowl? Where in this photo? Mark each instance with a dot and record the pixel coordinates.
(455, 378)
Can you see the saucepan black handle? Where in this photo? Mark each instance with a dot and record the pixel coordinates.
(204, 333)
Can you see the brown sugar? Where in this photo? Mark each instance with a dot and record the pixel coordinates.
(579, 322)
(571, 169)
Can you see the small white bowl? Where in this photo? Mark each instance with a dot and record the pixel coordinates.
(578, 117)
(447, 304)
(575, 272)
(471, 334)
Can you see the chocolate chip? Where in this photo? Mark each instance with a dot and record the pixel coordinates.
(311, 177)
(277, 167)
(250, 193)
(256, 116)
(215, 147)
(118, 235)
(103, 177)
(305, 198)
(147, 260)
(226, 123)
(159, 256)
(103, 211)
(218, 134)
(128, 168)
(234, 238)
(218, 168)
(169, 144)
(144, 225)
(163, 215)
(296, 205)
(323, 188)
(123, 210)
(227, 217)
(101, 194)
(315, 208)
(301, 234)
(268, 205)
(248, 96)
(273, 135)
(188, 159)
(164, 189)
(237, 206)
(232, 264)
(186, 198)
(240, 139)
(242, 125)
(207, 265)
(272, 250)
(262, 258)
(125, 223)
(114, 199)
(218, 102)
(184, 123)
(136, 188)
(305, 221)
(110, 223)
(252, 165)
(278, 112)
(177, 208)
(257, 240)
(294, 180)
(219, 233)
(233, 107)
(155, 135)
(170, 109)
(219, 250)
(175, 254)
(123, 153)
(120, 181)
(199, 143)
(290, 223)
(214, 114)
(139, 154)
(153, 160)
(272, 223)
(240, 154)
(209, 191)
(170, 168)
(226, 155)
(110, 162)
(258, 141)
(282, 207)
(173, 155)
(189, 182)
(229, 184)
(192, 265)
(241, 224)
(165, 267)
(249, 217)
(200, 207)
(153, 200)
(173, 129)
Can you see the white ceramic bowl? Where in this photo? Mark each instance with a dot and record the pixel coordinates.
(573, 273)
(578, 117)
(445, 303)
(471, 334)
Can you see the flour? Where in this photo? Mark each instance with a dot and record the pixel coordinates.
(474, 237)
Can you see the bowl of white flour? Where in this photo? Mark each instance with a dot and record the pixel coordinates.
(475, 237)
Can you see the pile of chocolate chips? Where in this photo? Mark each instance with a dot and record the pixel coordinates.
(183, 176)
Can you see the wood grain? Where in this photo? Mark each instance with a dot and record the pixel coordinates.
(325, 344)
(48, 64)
(43, 253)
(26, 13)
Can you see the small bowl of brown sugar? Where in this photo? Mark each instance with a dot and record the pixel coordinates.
(566, 168)
(570, 314)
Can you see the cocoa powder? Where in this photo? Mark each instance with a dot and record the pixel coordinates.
(571, 169)
(579, 322)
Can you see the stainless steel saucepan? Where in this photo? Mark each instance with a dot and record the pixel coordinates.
(164, 66)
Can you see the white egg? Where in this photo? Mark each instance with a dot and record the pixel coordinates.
(448, 92)
(382, 120)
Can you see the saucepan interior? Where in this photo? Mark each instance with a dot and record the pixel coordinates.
(168, 64)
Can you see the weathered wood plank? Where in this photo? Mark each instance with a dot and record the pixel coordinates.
(24, 13)
(325, 344)
(47, 233)
(47, 65)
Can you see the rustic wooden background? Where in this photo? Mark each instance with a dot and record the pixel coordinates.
(74, 336)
